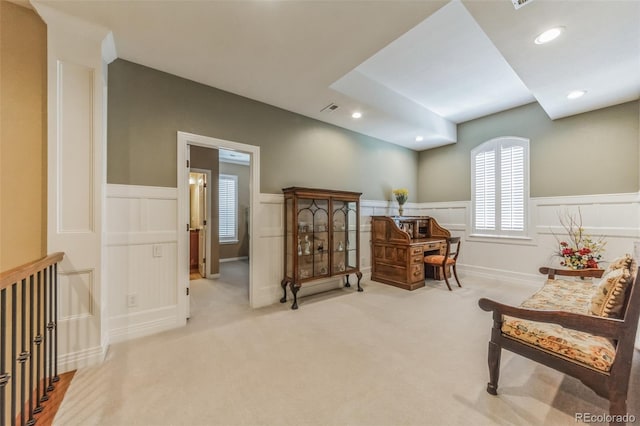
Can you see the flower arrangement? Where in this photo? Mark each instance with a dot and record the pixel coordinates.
(401, 195)
(581, 251)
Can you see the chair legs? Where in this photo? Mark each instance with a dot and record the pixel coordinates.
(455, 274)
(446, 280)
(444, 274)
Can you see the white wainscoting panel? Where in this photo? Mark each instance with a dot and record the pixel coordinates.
(132, 233)
(141, 261)
(75, 295)
(268, 246)
(615, 217)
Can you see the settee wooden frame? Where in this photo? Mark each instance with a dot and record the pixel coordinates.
(612, 385)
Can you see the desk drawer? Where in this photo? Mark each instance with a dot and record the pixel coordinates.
(417, 259)
(416, 273)
(416, 250)
(432, 246)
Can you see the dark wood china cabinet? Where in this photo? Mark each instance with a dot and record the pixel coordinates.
(322, 237)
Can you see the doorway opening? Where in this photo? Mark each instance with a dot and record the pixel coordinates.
(199, 224)
(185, 143)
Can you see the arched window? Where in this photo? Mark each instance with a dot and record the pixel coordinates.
(500, 187)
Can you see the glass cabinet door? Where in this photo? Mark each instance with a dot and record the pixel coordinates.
(352, 235)
(345, 236)
(289, 226)
(313, 238)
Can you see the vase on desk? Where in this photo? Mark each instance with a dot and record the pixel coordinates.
(400, 209)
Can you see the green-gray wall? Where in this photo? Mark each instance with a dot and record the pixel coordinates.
(148, 107)
(591, 153)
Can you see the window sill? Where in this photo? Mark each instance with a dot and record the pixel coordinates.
(230, 242)
(502, 239)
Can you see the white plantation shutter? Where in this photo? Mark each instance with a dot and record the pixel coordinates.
(512, 188)
(228, 207)
(500, 187)
(485, 190)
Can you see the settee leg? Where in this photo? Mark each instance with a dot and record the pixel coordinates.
(617, 409)
(494, 368)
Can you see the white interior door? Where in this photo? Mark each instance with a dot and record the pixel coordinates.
(202, 235)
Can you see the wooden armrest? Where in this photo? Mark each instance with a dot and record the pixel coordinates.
(551, 273)
(600, 326)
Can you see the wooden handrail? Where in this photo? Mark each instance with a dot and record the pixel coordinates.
(18, 273)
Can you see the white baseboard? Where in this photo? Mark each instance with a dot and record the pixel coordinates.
(140, 324)
(502, 275)
(84, 358)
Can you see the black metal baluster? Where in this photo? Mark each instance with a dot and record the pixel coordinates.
(38, 342)
(23, 356)
(14, 364)
(44, 397)
(4, 376)
(55, 323)
(31, 358)
(50, 330)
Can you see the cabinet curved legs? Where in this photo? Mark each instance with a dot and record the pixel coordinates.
(294, 290)
(347, 284)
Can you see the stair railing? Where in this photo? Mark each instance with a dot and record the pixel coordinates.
(28, 339)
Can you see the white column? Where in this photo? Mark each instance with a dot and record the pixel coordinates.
(76, 180)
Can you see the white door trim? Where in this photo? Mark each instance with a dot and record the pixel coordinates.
(185, 139)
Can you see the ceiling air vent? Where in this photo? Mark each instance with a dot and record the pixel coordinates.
(519, 3)
(330, 108)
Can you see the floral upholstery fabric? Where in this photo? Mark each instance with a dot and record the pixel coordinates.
(570, 296)
(563, 295)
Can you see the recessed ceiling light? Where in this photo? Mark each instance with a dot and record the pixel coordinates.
(419, 138)
(356, 114)
(575, 94)
(549, 35)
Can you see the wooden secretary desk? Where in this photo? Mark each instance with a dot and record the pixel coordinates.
(398, 247)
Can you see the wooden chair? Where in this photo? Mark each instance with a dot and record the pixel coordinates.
(447, 261)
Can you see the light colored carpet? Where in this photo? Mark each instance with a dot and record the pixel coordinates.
(383, 357)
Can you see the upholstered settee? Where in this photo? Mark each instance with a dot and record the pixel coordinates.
(583, 327)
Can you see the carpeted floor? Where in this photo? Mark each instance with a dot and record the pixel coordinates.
(383, 357)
